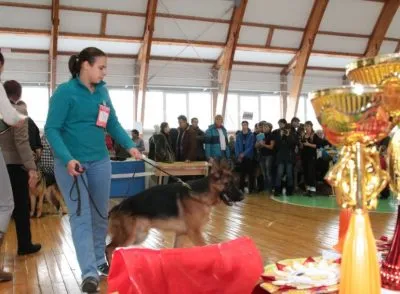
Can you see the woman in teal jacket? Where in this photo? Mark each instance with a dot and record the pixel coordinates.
(216, 140)
(80, 114)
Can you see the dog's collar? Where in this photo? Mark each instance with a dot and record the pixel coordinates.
(226, 199)
(204, 202)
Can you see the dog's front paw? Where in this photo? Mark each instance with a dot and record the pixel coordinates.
(110, 248)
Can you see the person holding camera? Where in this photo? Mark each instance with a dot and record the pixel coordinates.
(265, 144)
(285, 143)
(309, 144)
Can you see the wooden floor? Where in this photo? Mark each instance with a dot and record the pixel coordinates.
(279, 230)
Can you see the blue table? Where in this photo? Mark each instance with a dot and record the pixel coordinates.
(122, 182)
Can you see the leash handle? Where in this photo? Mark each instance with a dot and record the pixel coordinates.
(78, 190)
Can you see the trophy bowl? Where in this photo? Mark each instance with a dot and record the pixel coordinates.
(384, 71)
(352, 114)
(373, 70)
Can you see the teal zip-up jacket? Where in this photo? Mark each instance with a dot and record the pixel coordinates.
(213, 146)
(71, 123)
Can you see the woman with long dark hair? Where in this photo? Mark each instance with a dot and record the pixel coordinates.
(160, 145)
(80, 114)
(309, 144)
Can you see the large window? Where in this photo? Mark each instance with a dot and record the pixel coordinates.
(175, 105)
(122, 101)
(271, 109)
(301, 111)
(249, 109)
(167, 106)
(154, 110)
(200, 107)
(232, 113)
(37, 102)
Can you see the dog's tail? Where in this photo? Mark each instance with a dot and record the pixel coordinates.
(116, 226)
(113, 211)
(114, 219)
(114, 230)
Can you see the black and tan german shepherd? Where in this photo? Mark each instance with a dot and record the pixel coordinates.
(182, 208)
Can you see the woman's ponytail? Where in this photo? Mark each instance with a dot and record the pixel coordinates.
(74, 65)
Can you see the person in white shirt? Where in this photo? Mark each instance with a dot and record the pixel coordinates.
(12, 118)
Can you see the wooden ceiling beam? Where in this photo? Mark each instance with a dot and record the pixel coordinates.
(283, 93)
(112, 38)
(55, 23)
(397, 50)
(269, 37)
(324, 68)
(101, 11)
(25, 5)
(214, 93)
(180, 59)
(303, 55)
(187, 17)
(103, 25)
(24, 31)
(174, 42)
(376, 1)
(385, 18)
(144, 59)
(225, 61)
(290, 66)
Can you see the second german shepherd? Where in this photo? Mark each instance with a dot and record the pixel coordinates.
(46, 188)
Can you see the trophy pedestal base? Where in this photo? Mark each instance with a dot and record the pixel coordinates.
(390, 269)
(390, 276)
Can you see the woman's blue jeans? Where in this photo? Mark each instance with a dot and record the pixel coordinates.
(89, 229)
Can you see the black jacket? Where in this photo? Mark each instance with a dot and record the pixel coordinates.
(34, 135)
(200, 153)
(285, 147)
(160, 149)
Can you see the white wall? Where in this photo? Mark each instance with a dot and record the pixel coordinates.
(33, 69)
(179, 74)
(168, 76)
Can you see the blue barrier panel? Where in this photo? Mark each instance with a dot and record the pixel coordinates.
(122, 183)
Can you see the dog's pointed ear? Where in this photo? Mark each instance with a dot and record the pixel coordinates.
(215, 171)
(225, 169)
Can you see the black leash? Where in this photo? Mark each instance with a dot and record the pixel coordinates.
(179, 180)
(78, 190)
(223, 196)
(78, 199)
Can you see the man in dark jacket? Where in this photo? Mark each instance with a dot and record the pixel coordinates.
(285, 143)
(34, 139)
(201, 156)
(244, 150)
(185, 148)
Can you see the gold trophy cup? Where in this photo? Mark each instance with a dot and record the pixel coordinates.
(384, 71)
(354, 118)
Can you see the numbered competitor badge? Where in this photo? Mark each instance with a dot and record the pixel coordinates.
(102, 118)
